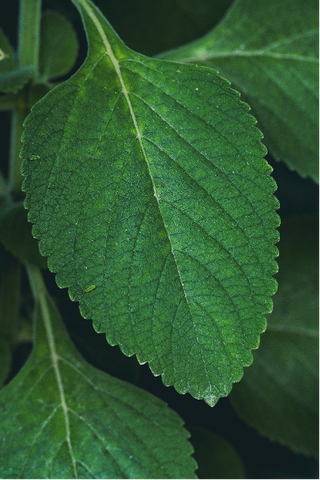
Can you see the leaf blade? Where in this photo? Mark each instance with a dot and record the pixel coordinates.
(79, 422)
(135, 201)
(279, 393)
(271, 57)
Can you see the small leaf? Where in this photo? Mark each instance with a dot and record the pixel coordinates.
(152, 187)
(62, 418)
(279, 392)
(269, 50)
(15, 234)
(6, 54)
(58, 46)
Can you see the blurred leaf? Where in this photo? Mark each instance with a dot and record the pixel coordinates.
(11, 79)
(62, 418)
(14, 80)
(153, 189)
(58, 46)
(215, 456)
(6, 54)
(279, 393)
(5, 360)
(269, 50)
(16, 236)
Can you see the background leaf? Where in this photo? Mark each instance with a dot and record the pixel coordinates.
(279, 392)
(269, 50)
(153, 189)
(13, 228)
(215, 456)
(58, 46)
(6, 54)
(62, 418)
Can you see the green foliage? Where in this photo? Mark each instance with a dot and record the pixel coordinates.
(58, 46)
(147, 189)
(216, 458)
(265, 52)
(147, 180)
(138, 438)
(286, 368)
(14, 227)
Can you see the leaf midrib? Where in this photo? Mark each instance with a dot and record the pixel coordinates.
(116, 66)
(55, 364)
(250, 54)
(262, 52)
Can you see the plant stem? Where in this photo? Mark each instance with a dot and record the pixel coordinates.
(28, 54)
(29, 33)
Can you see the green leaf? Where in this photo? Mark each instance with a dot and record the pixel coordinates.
(151, 186)
(279, 392)
(58, 46)
(15, 234)
(269, 50)
(62, 418)
(215, 456)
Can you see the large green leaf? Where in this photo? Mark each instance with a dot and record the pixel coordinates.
(269, 50)
(279, 393)
(62, 418)
(148, 191)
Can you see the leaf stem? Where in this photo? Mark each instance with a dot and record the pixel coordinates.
(29, 33)
(7, 102)
(28, 54)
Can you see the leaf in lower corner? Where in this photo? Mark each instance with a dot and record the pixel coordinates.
(152, 187)
(62, 418)
(269, 50)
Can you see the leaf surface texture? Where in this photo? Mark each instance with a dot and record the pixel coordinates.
(79, 422)
(149, 184)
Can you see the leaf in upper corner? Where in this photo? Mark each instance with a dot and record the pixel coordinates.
(58, 46)
(11, 79)
(62, 418)
(278, 394)
(151, 186)
(269, 50)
